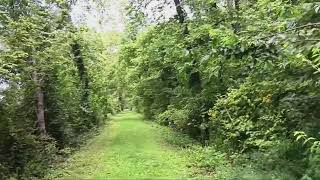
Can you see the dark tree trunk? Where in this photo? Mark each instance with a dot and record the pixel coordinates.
(121, 101)
(76, 49)
(237, 4)
(180, 11)
(237, 26)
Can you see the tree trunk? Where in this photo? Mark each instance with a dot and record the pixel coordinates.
(180, 11)
(41, 123)
(83, 74)
(237, 4)
(233, 4)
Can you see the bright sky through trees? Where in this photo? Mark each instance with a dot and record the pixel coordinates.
(104, 16)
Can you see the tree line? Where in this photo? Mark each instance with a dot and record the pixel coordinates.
(55, 84)
(241, 76)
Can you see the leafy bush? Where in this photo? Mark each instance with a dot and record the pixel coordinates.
(178, 139)
(207, 161)
(313, 159)
(175, 118)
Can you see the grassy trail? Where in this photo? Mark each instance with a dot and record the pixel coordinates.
(127, 148)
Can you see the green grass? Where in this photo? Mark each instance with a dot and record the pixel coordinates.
(128, 148)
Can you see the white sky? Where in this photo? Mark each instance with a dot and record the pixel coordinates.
(107, 17)
(111, 15)
(3, 87)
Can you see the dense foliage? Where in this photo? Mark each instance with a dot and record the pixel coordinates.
(54, 84)
(241, 77)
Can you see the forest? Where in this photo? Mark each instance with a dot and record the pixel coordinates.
(169, 89)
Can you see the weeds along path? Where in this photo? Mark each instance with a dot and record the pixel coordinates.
(128, 148)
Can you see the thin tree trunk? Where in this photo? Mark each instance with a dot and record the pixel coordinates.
(237, 4)
(236, 26)
(40, 102)
(41, 123)
(180, 11)
(83, 74)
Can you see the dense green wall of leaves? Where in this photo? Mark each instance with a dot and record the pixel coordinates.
(74, 69)
(243, 78)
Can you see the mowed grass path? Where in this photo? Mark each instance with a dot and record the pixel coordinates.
(128, 148)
